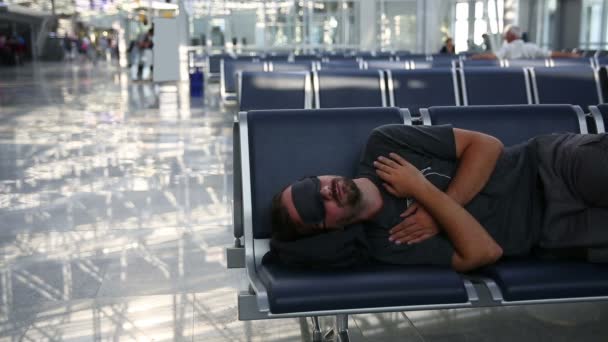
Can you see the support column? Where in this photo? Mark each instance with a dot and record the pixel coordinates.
(183, 30)
(429, 36)
(367, 25)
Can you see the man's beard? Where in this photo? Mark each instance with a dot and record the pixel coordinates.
(351, 192)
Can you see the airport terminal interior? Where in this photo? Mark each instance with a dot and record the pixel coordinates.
(123, 195)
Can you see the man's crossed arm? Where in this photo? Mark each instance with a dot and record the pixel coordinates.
(473, 246)
(477, 154)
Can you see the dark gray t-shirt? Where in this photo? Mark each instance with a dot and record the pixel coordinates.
(508, 206)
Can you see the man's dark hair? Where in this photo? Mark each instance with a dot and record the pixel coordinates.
(283, 227)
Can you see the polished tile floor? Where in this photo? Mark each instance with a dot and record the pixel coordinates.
(115, 209)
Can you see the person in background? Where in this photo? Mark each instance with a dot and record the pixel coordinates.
(448, 47)
(147, 56)
(487, 44)
(516, 48)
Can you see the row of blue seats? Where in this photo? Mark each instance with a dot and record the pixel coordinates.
(411, 61)
(213, 61)
(414, 89)
(229, 68)
(422, 60)
(268, 138)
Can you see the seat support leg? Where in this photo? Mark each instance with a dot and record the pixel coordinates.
(342, 328)
(316, 330)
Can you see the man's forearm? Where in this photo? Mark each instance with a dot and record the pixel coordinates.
(476, 164)
(560, 54)
(487, 55)
(473, 245)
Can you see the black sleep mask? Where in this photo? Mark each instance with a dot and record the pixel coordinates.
(306, 197)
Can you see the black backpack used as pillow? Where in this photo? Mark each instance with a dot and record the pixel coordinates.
(334, 249)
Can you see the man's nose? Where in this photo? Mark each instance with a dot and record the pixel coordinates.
(326, 192)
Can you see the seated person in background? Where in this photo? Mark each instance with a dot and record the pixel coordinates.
(448, 47)
(487, 44)
(447, 196)
(516, 48)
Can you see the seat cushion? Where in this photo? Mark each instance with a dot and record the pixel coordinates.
(533, 279)
(370, 286)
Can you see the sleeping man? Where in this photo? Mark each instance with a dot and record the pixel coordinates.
(447, 196)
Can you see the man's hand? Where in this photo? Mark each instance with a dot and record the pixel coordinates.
(417, 226)
(401, 178)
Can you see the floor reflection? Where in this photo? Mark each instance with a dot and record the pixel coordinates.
(115, 209)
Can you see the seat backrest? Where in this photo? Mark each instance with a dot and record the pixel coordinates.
(421, 63)
(414, 89)
(214, 62)
(306, 58)
(511, 124)
(248, 57)
(279, 147)
(472, 63)
(349, 88)
(275, 90)
(600, 117)
(278, 57)
(522, 62)
(302, 65)
(384, 64)
(230, 68)
(495, 86)
(348, 64)
(443, 61)
(577, 85)
(560, 62)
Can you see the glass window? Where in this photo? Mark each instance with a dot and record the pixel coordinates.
(481, 25)
(592, 36)
(461, 30)
(333, 22)
(495, 15)
(397, 24)
(279, 23)
(548, 13)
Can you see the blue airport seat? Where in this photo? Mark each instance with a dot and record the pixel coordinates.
(214, 64)
(601, 61)
(529, 279)
(526, 63)
(577, 85)
(472, 63)
(599, 115)
(442, 61)
(560, 62)
(511, 124)
(385, 65)
(495, 86)
(277, 147)
(349, 88)
(414, 89)
(342, 64)
(282, 57)
(419, 63)
(371, 286)
(306, 57)
(377, 57)
(274, 90)
(248, 57)
(410, 56)
(302, 65)
(229, 71)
